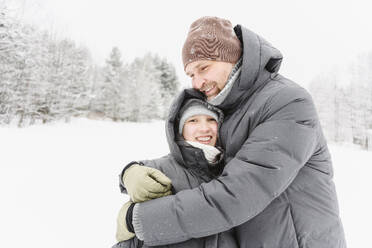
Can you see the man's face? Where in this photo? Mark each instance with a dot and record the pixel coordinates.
(208, 76)
(200, 128)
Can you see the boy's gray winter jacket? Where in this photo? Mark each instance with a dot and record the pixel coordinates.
(187, 167)
(276, 189)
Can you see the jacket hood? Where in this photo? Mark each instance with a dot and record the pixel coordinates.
(260, 62)
(184, 98)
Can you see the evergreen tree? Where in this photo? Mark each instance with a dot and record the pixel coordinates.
(346, 111)
(169, 84)
(45, 79)
(7, 56)
(360, 98)
(110, 88)
(144, 89)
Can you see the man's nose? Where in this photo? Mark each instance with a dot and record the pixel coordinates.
(197, 82)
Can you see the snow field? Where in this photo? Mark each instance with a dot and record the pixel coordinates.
(59, 184)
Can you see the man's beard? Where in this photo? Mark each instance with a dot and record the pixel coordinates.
(208, 85)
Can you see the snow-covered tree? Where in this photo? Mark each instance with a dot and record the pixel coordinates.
(169, 84)
(75, 79)
(16, 68)
(7, 53)
(108, 87)
(360, 91)
(43, 79)
(345, 110)
(144, 89)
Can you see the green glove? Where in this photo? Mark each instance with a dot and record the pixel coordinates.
(145, 183)
(122, 232)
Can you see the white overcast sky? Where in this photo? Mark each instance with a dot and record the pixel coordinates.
(312, 35)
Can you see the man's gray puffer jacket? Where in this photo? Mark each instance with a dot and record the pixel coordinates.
(187, 167)
(276, 189)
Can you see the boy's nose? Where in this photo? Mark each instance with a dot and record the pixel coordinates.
(204, 127)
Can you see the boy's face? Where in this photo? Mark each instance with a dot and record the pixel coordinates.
(201, 128)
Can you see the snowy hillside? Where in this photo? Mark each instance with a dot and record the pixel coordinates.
(59, 184)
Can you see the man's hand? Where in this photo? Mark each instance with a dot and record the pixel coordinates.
(144, 183)
(122, 232)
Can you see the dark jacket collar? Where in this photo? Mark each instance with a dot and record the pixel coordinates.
(195, 160)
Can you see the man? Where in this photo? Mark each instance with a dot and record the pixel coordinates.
(276, 188)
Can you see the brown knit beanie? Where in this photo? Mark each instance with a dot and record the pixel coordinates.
(211, 38)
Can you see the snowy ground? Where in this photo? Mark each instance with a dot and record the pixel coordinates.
(58, 182)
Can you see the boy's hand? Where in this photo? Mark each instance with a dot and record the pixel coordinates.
(145, 183)
(122, 232)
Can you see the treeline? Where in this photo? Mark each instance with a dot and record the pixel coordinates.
(139, 91)
(344, 102)
(43, 79)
